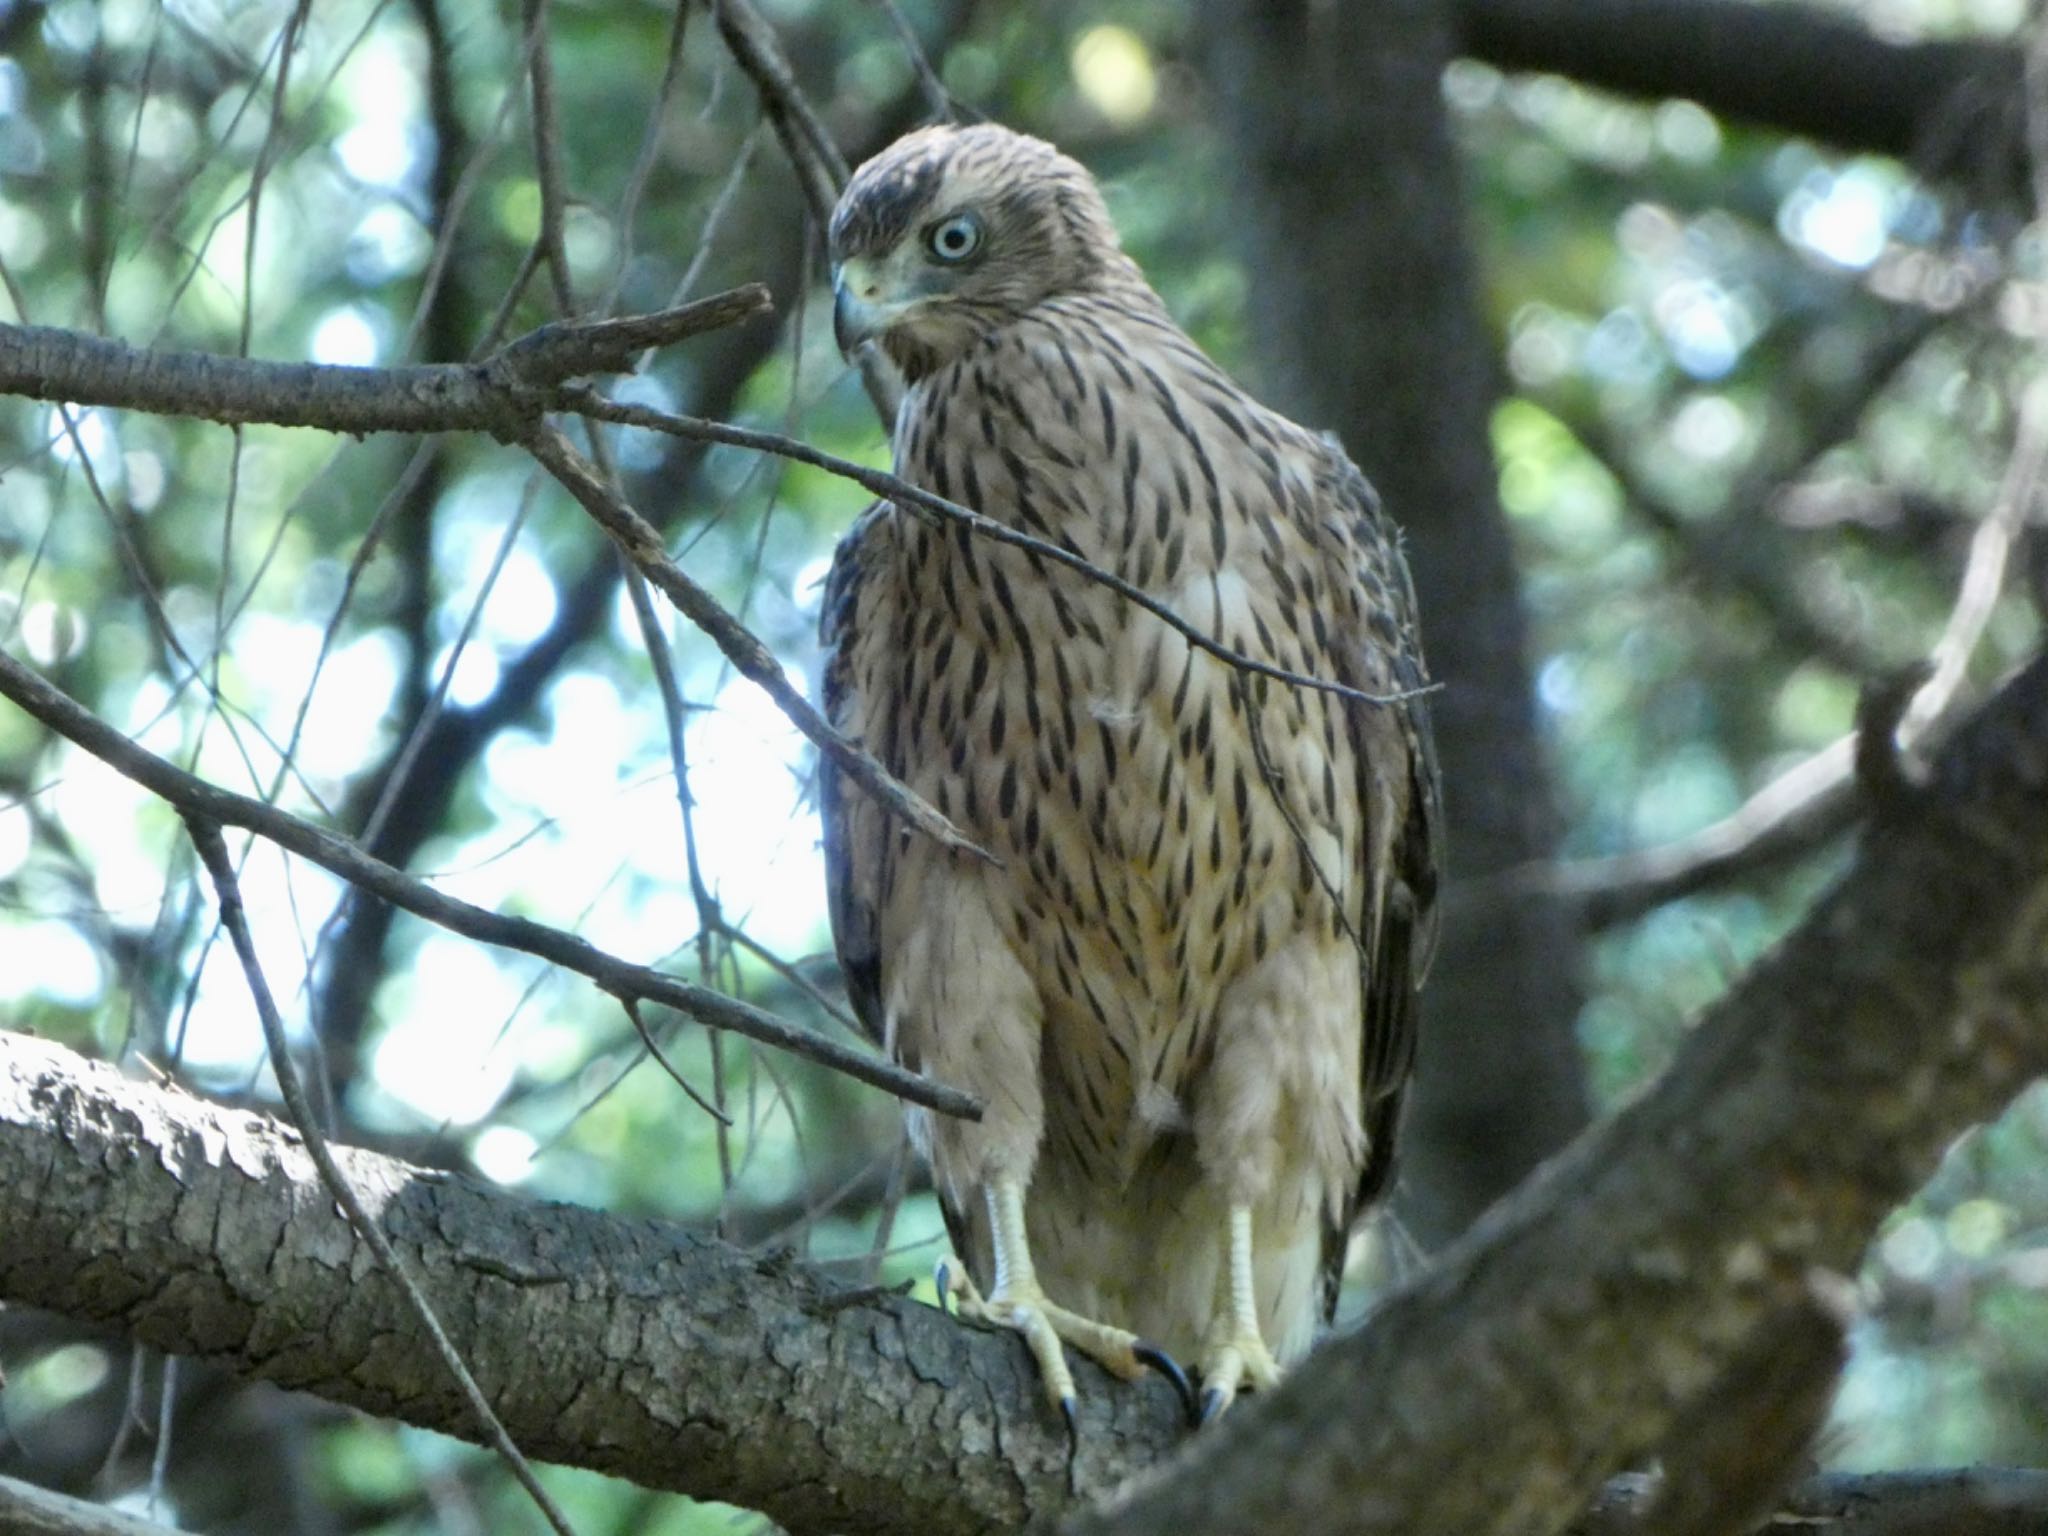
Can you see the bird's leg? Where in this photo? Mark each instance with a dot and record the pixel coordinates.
(1234, 1355)
(1017, 1302)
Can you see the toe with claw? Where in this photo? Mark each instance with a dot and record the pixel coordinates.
(1020, 1304)
(1235, 1354)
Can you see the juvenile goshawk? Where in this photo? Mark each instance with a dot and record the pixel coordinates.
(1187, 990)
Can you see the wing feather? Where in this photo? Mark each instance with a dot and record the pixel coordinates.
(1401, 793)
(857, 843)
(859, 688)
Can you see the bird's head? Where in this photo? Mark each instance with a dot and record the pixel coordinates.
(951, 233)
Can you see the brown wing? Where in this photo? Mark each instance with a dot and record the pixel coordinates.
(1401, 791)
(857, 842)
(860, 688)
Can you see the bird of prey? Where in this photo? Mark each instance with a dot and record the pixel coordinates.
(1185, 986)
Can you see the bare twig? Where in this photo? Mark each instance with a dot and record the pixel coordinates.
(754, 661)
(943, 103)
(820, 168)
(192, 796)
(628, 216)
(547, 159)
(711, 928)
(654, 1049)
(57, 365)
(1808, 804)
(900, 491)
(260, 171)
(213, 853)
(1804, 807)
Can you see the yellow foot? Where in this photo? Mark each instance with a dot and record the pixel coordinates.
(1047, 1327)
(1231, 1361)
(1234, 1354)
(1020, 1304)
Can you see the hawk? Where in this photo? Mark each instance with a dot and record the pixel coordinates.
(1185, 988)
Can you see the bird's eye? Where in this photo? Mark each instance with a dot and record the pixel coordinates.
(954, 239)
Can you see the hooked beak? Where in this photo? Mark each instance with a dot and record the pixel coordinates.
(858, 314)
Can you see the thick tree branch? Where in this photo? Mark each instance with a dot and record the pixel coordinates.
(629, 1346)
(234, 917)
(1792, 67)
(505, 396)
(669, 1359)
(1571, 1329)
(1568, 1333)
(194, 797)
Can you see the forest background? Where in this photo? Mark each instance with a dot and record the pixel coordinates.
(1695, 344)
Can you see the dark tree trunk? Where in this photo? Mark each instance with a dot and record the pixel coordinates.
(1365, 302)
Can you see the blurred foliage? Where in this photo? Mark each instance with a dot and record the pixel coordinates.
(1683, 308)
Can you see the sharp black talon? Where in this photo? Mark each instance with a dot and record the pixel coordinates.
(1212, 1406)
(942, 1277)
(1160, 1361)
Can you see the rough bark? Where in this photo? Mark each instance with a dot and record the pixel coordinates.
(1577, 1327)
(1578, 1323)
(629, 1346)
(1366, 301)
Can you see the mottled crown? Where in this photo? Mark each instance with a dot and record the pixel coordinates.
(1046, 202)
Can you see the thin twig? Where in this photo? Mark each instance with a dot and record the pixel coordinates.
(820, 168)
(749, 656)
(456, 205)
(942, 101)
(628, 216)
(900, 491)
(43, 363)
(655, 643)
(213, 852)
(654, 1049)
(259, 173)
(193, 796)
(1809, 803)
(547, 159)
